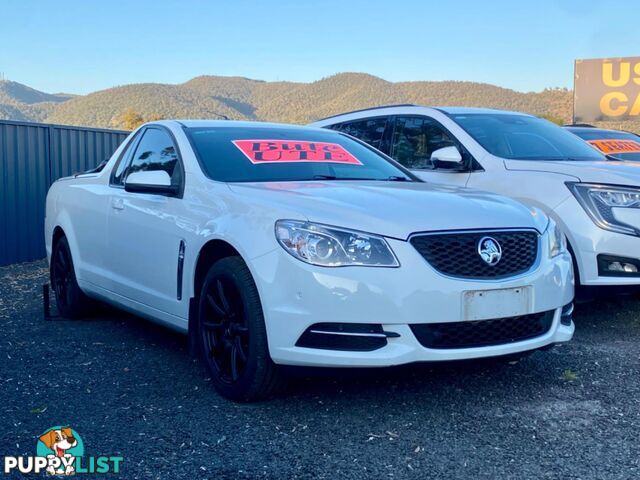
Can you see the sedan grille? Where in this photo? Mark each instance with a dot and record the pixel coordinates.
(456, 254)
(482, 333)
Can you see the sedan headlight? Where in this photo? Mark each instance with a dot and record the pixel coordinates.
(557, 240)
(333, 247)
(600, 200)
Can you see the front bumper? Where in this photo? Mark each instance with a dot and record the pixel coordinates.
(296, 296)
(588, 241)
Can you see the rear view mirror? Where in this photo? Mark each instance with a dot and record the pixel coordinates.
(447, 158)
(157, 181)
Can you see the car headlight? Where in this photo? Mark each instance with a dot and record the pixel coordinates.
(600, 200)
(333, 247)
(557, 240)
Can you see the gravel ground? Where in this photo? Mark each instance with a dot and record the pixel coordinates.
(129, 388)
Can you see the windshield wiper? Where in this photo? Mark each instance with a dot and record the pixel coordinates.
(396, 178)
(324, 177)
(333, 177)
(392, 178)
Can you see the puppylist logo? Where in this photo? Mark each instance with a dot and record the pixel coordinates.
(60, 451)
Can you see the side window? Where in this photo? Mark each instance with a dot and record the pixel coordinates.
(369, 131)
(117, 177)
(156, 151)
(415, 139)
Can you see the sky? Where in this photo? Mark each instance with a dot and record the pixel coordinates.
(83, 46)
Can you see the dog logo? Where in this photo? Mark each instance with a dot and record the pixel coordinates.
(61, 443)
(489, 250)
(60, 452)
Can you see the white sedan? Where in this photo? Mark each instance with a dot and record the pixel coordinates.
(277, 245)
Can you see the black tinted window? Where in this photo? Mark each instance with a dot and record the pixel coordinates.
(415, 139)
(369, 131)
(240, 154)
(156, 151)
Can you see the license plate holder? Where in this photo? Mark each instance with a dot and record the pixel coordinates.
(498, 303)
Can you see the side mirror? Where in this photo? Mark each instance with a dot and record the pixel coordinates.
(448, 158)
(157, 182)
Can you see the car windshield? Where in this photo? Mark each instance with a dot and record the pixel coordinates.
(621, 145)
(522, 137)
(241, 154)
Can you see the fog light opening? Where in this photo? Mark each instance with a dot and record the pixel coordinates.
(618, 266)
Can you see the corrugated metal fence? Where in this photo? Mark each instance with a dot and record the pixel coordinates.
(32, 157)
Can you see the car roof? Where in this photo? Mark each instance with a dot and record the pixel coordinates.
(572, 128)
(472, 110)
(193, 123)
(587, 129)
(412, 108)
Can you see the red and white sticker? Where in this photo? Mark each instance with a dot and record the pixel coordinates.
(616, 146)
(294, 151)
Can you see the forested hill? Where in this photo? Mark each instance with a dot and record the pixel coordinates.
(246, 99)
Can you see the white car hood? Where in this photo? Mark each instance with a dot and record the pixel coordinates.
(393, 209)
(612, 172)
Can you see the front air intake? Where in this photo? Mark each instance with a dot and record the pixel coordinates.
(483, 333)
(456, 254)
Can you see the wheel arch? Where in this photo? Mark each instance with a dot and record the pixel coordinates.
(63, 226)
(575, 263)
(58, 232)
(213, 250)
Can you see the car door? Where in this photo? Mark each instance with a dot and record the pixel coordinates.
(144, 238)
(413, 141)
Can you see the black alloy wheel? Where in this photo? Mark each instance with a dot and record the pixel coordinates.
(62, 276)
(224, 329)
(70, 300)
(232, 335)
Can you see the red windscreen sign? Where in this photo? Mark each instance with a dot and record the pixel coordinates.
(616, 146)
(293, 151)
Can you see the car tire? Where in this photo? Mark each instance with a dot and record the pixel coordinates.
(232, 336)
(71, 301)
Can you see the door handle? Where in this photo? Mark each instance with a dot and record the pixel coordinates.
(117, 204)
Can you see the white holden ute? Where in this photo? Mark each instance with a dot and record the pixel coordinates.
(595, 202)
(276, 245)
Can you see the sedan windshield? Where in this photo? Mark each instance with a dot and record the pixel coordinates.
(621, 145)
(241, 154)
(521, 137)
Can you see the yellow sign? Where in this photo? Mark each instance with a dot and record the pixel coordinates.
(607, 89)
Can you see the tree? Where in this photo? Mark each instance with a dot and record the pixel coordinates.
(130, 120)
(152, 117)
